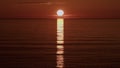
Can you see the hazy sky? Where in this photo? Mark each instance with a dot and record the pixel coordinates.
(48, 8)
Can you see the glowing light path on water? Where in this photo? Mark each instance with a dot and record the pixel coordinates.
(60, 42)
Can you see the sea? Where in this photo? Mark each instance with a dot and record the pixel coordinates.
(59, 43)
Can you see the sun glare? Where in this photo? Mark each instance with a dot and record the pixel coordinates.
(60, 12)
(60, 40)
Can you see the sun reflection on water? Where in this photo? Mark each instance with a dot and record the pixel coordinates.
(60, 42)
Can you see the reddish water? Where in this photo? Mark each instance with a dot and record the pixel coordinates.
(32, 43)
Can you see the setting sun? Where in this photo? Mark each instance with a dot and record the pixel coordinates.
(60, 12)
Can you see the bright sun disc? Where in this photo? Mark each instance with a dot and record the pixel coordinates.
(60, 12)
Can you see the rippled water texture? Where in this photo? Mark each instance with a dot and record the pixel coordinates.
(59, 43)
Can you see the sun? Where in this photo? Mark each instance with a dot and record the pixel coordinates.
(60, 12)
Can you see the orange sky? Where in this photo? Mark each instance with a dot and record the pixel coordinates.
(48, 8)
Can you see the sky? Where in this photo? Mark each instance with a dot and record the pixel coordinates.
(48, 8)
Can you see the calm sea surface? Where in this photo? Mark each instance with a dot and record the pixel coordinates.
(63, 43)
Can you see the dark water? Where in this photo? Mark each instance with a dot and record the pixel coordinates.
(31, 43)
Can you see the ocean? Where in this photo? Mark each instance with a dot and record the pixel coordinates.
(59, 43)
